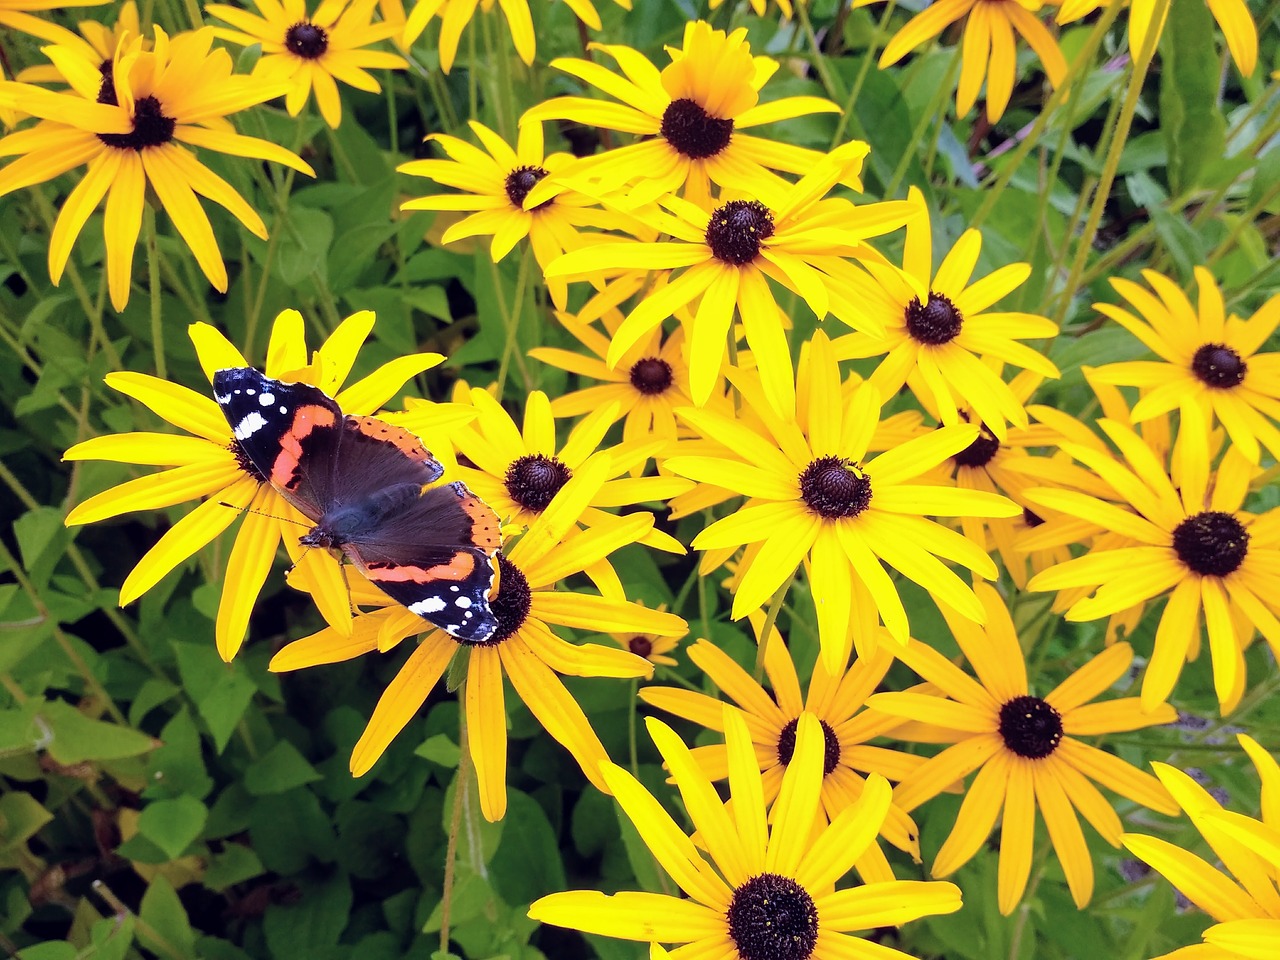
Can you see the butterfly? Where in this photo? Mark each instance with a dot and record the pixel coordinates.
(368, 487)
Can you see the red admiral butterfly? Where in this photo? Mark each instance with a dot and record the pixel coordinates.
(364, 485)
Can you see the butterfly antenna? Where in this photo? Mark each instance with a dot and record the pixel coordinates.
(263, 513)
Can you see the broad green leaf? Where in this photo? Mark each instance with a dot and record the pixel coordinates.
(165, 929)
(173, 825)
(1190, 71)
(279, 769)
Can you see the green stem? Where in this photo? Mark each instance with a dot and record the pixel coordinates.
(460, 787)
(153, 280)
(829, 82)
(511, 321)
(634, 701)
(770, 621)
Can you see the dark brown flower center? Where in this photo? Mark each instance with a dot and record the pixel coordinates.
(1212, 543)
(244, 463)
(737, 229)
(534, 480)
(831, 745)
(107, 88)
(151, 127)
(1217, 365)
(833, 488)
(651, 376)
(520, 181)
(694, 132)
(935, 322)
(981, 452)
(306, 40)
(772, 917)
(511, 606)
(1031, 518)
(640, 646)
(1030, 727)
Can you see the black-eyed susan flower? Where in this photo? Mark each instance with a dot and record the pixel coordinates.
(649, 382)
(95, 41)
(813, 496)
(133, 127)
(525, 648)
(496, 180)
(936, 326)
(652, 647)
(1192, 542)
(765, 889)
(310, 52)
(1026, 749)
(989, 48)
(1205, 354)
(726, 256)
(1247, 908)
(455, 15)
(691, 114)
(1233, 16)
(772, 717)
(16, 14)
(209, 464)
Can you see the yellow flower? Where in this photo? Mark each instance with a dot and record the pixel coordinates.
(728, 255)
(1248, 908)
(496, 181)
(1233, 18)
(836, 700)
(1206, 354)
(649, 645)
(691, 114)
(813, 496)
(311, 52)
(210, 464)
(1193, 543)
(95, 41)
(765, 890)
(455, 15)
(936, 326)
(129, 127)
(989, 46)
(1025, 749)
(524, 647)
(14, 14)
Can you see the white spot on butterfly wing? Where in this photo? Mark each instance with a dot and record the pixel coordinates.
(462, 602)
(427, 605)
(267, 399)
(250, 425)
(284, 409)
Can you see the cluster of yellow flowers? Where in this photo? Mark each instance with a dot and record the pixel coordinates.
(702, 246)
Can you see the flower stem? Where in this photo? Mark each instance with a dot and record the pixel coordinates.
(460, 787)
(153, 281)
(770, 620)
(511, 320)
(847, 113)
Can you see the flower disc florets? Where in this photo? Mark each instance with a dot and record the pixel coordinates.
(831, 745)
(773, 918)
(936, 322)
(1217, 365)
(651, 376)
(694, 132)
(306, 40)
(1212, 543)
(737, 229)
(511, 606)
(535, 479)
(520, 181)
(640, 646)
(835, 488)
(1030, 727)
(981, 452)
(151, 127)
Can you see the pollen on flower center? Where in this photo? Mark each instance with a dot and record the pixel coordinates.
(737, 229)
(834, 488)
(981, 452)
(306, 40)
(651, 376)
(936, 322)
(831, 745)
(694, 132)
(1212, 543)
(772, 917)
(244, 463)
(534, 480)
(151, 127)
(511, 606)
(520, 181)
(1030, 727)
(1217, 365)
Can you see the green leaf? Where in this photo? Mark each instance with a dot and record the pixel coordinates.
(21, 815)
(173, 825)
(527, 864)
(112, 937)
(281, 768)
(74, 738)
(439, 749)
(52, 950)
(165, 929)
(311, 924)
(1190, 71)
(221, 691)
(304, 245)
(42, 540)
(235, 863)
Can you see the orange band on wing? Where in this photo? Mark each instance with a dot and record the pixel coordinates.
(405, 441)
(461, 566)
(305, 420)
(485, 531)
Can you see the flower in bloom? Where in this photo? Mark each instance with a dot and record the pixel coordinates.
(772, 718)
(691, 114)
(812, 496)
(495, 182)
(130, 126)
(524, 648)
(96, 41)
(210, 464)
(1247, 909)
(1192, 541)
(726, 256)
(989, 48)
(454, 16)
(1205, 354)
(764, 890)
(16, 14)
(310, 52)
(936, 326)
(1025, 749)
(649, 645)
